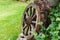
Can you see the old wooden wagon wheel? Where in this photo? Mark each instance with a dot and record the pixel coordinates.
(31, 17)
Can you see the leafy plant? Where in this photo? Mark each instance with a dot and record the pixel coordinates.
(53, 30)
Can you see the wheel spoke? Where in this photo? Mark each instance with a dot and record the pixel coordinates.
(30, 11)
(26, 15)
(30, 30)
(34, 16)
(32, 26)
(24, 21)
(42, 15)
(25, 27)
(33, 21)
(24, 24)
(27, 31)
(33, 12)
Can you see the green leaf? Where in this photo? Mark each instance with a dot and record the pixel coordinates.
(58, 19)
(40, 23)
(58, 27)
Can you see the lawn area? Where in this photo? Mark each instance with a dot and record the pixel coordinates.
(10, 19)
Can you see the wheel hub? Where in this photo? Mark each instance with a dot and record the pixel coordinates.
(29, 20)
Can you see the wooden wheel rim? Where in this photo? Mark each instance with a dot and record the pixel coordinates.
(29, 20)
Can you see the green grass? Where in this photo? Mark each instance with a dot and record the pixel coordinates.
(10, 19)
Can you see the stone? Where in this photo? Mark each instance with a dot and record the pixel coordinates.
(22, 37)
